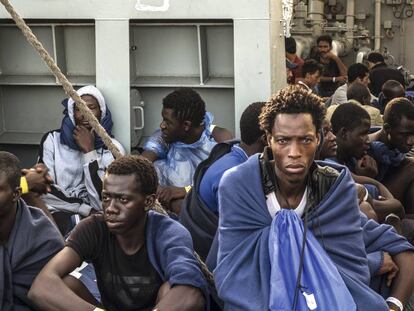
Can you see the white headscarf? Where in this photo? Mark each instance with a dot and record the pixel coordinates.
(88, 90)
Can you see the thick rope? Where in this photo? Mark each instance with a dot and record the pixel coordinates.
(67, 86)
(69, 90)
(207, 273)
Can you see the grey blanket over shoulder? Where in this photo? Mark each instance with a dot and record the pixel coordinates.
(32, 242)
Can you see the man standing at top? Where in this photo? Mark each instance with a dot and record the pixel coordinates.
(334, 70)
(381, 73)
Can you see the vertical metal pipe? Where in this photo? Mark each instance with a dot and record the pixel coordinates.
(277, 47)
(377, 31)
(350, 18)
(315, 14)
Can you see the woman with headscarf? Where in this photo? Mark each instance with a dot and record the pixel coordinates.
(76, 157)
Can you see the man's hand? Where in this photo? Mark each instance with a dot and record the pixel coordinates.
(38, 179)
(84, 138)
(366, 166)
(388, 266)
(167, 194)
(180, 298)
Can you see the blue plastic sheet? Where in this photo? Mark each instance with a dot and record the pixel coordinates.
(178, 161)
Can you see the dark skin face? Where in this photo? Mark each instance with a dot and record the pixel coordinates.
(356, 141)
(93, 106)
(402, 136)
(324, 48)
(365, 80)
(329, 145)
(123, 204)
(173, 129)
(289, 76)
(293, 142)
(312, 79)
(8, 200)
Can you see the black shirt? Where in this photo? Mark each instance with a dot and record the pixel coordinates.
(380, 74)
(126, 282)
(326, 89)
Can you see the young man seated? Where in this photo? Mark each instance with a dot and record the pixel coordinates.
(379, 262)
(391, 89)
(185, 139)
(143, 260)
(284, 219)
(200, 211)
(389, 148)
(350, 124)
(381, 73)
(356, 73)
(28, 239)
(76, 157)
(358, 93)
(311, 73)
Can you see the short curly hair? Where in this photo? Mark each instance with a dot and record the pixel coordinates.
(349, 116)
(292, 99)
(10, 167)
(250, 131)
(144, 171)
(187, 105)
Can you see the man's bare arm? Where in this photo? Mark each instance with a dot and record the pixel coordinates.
(386, 205)
(221, 134)
(403, 284)
(149, 155)
(182, 298)
(50, 293)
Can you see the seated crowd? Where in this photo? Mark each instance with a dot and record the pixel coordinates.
(312, 209)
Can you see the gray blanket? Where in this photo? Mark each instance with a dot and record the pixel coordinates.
(33, 241)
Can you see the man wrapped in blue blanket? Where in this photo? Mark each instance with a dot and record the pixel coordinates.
(28, 239)
(291, 236)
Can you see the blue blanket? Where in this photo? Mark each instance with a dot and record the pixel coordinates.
(178, 161)
(170, 251)
(243, 269)
(173, 257)
(33, 241)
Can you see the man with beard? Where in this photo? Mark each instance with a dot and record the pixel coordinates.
(334, 70)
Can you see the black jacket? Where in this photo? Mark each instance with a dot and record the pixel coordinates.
(379, 74)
